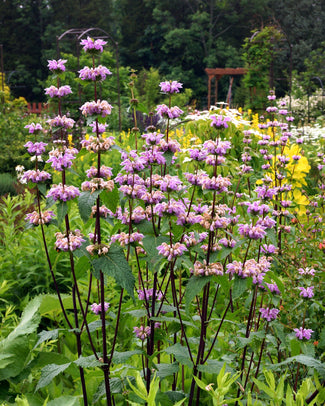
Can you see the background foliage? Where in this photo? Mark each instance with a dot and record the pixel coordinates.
(179, 38)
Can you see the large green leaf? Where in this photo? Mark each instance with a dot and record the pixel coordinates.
(85, 203)
(116, 386)
(4, 361)
(114, 264)
(150, 244)
(213, 366)
(62, 210)
(180, 353)
(50, 303)
(47, 335)
(305, 360)
(30, 319)
(110, 199)
(14, 349)
(88, 362)
(194, 287)
(49, 372)
(14, 352)
(65, 400)
(240, 286)
(167, 369)
(122, 357)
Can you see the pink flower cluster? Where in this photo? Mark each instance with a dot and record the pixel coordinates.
(36, 219)
(251, 268)
(35, 176)
(97, 308)
(170, 86)
(173, 251)
(202, 269)
(61, 121)
(35, 148)
(306, 292)
(125, 238)
(63, 243)
(269, 314)
(100, 107)
(63, 192)
(98, 73)
(142, 332)
(57, 66)
(62, 91)
(220, 121)
(104, 172)
(93, 46)
(97, 184)
(166, 112)
(148, 293)
(96, 144)
(62, 159)
(34, 127)
(302, 333)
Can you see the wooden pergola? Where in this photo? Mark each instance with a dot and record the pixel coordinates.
(217, 74)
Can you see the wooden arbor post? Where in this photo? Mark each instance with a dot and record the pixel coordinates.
(217, 74)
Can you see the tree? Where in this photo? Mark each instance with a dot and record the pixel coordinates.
(260, 50)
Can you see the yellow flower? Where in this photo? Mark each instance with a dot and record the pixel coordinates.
(70, 140)
(297, 170)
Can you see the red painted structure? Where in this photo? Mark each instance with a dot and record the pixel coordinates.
(217, 74)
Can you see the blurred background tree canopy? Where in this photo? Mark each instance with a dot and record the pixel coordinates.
(178, 38)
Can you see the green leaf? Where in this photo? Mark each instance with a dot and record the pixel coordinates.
(220, 255)
(264, 388)
(47, 335)
(154, 387)
(49, 202)
(165, 370)
(50, 303)
(62, 210)
(193, 288)
(141, 107)
(271, 235)
(295, 347)
(181, 354)
(168, 155)
(94, 325)
(30, 318)
(150, 244)
(305, 360)
(42, 188)
(213, 366)
(172, 320)
(114, 264)
(4, 361)
(180, 402)
(15, 351)
(44, 358)
(88, 362)
(85, 203)
(200, 383)
(49, 372)
(116, 386)
(140, 390)
(239, 287)
(66, 401)
(111, 199)
(122, 357)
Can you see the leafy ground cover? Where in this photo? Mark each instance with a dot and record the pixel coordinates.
(180, 266)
